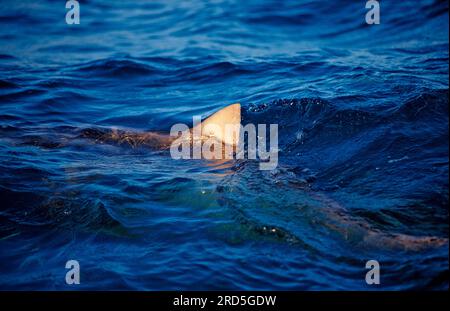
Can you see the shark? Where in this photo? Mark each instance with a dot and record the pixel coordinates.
(336, 217)
(213, 126)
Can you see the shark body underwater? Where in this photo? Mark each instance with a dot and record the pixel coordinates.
(327, 213)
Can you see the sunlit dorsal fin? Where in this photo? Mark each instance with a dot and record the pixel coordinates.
(216, 124)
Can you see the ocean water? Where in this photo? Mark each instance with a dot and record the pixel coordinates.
(363, 136)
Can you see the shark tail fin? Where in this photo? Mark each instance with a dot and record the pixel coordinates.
(224, 124)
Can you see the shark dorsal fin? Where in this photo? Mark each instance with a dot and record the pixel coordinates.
(215, 125)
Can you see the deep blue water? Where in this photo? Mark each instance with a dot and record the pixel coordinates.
(363, 164)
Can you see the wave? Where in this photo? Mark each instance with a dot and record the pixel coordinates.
(315, 122)
(56, 211)
(4, 84)
(113, 67)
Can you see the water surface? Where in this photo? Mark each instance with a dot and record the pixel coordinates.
(363, 128)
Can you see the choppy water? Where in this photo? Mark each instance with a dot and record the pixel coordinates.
(363, 124)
